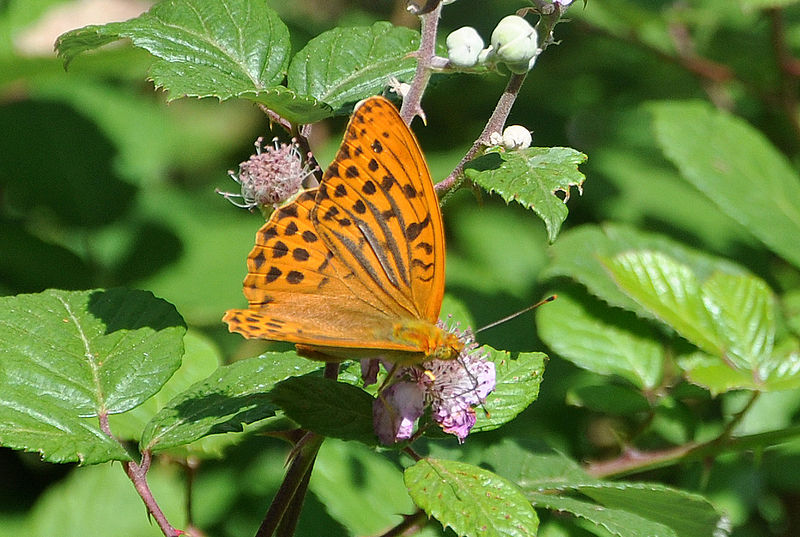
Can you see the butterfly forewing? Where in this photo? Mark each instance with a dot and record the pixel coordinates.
(377, 211)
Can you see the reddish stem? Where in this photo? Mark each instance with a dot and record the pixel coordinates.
(138, 475)
(412, 101)
(495, 124)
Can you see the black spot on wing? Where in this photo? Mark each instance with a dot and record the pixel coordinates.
(259, 259)
(425, 246)
(291, 229)
(279, 249)
(273, 274)
(415, 228)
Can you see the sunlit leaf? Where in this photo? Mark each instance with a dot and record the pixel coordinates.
(532, 177)
(470, 500)
(71, 356)
(344, 65)
(203, 49)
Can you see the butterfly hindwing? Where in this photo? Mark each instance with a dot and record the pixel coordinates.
(298, 291)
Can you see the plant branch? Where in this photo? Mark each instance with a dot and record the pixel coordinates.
(634, 461)
(412, 101)
(138, 475)
(495, 124)
(410, 525)
(292, 489)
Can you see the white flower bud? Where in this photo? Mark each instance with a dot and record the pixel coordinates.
(516, 137)
(463, 46)
(515, 43)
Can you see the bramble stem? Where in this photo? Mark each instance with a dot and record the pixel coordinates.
(284, 511)
(495, 124)
(633, 460)
(427, 47)
(138, 475)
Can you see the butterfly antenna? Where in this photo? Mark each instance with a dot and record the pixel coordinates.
(517, 314)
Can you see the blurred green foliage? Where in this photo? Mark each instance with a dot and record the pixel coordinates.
(103, 184)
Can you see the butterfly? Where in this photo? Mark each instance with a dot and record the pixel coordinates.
(355, 267)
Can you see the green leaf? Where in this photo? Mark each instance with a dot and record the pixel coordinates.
(360, 488)
(715, 375)
(743, 310)
(687, 514)
(289, 104)
(532, 177)
(203, 49)
(615, 521)
(608, 399)
(327, 407)
(233, 395)
(470, 500)
(517, 385)
(579, 252)
(670, 291)
(718, 376)
(344, 65)
(737, 168)
(68, 508)
(199, 361)
(69, 356)
(604, 340)
(790, 305)
(534, 470)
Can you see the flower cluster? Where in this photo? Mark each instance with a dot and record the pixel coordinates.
(514, 43)
(451, 388)
(270, 177)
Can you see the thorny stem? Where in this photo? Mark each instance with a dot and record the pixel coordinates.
(138, 475)
(634, 460)
(427, 47)
(495, 124)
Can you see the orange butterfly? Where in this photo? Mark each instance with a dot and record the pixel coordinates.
(355, 267)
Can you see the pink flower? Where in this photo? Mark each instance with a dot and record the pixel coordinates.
(270, 177)
(451, 388)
